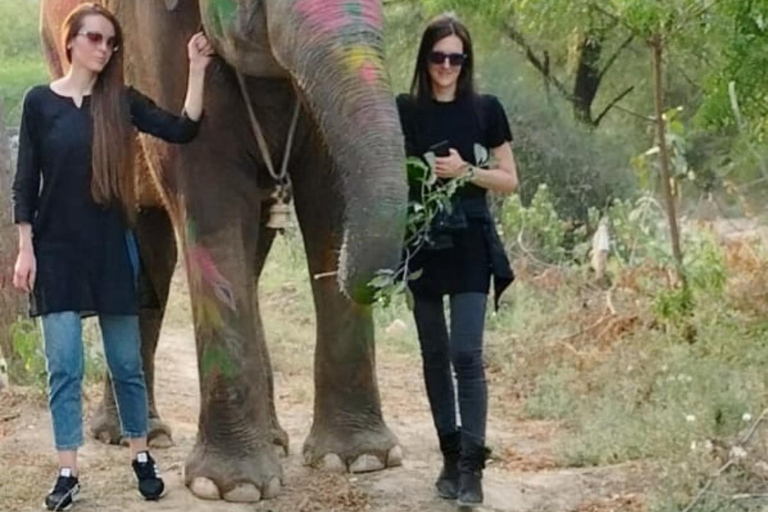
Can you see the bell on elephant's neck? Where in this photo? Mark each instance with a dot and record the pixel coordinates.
(279, 215)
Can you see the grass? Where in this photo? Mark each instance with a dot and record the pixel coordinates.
(632, 386)
(16, 77)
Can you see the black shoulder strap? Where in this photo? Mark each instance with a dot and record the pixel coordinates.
(479, 111)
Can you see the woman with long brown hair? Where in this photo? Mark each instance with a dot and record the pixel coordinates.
(74, 203)
(464, 136)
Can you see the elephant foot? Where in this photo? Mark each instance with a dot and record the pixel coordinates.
(341, 450)
(159, 435)
(105, 425)
(280, 441)
(243, 476)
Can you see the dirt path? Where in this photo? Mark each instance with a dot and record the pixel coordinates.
(522, 479)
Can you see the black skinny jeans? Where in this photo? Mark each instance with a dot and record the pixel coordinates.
(463, 349)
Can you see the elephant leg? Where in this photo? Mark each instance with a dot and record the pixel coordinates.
(265, 240)
(234, 456)
(155, 235)
(348, 431)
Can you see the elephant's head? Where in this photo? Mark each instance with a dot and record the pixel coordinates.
(334, 52)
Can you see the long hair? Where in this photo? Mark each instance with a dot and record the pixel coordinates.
(439, 28)
(113, 180)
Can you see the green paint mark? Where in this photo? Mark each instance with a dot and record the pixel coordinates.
(354, 9)
(191, 232)
(221, 14)
(216, 361)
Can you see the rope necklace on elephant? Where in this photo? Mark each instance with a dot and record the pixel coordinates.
(278, 212)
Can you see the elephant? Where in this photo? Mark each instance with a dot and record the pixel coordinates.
(347, 174)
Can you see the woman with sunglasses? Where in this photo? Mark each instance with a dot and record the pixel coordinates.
(463, 136)
(74, 203)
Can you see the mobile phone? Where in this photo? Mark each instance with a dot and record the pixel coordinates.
(441, 149)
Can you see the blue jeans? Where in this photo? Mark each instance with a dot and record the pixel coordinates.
(62, 333)
(462, 349)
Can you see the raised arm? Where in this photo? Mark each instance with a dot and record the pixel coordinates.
(150, 118)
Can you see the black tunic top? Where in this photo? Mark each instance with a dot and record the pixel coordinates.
(87, 260)
(473, 126)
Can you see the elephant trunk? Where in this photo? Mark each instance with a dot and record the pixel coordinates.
(334, 51)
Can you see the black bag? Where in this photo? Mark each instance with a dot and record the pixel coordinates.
(444, 224)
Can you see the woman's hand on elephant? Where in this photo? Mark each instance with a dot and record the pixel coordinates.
(452, 166)
(200, 52)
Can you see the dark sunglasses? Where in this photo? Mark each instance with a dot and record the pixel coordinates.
(96, 39)
(454, 59)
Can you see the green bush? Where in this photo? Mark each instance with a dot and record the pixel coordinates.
(535, 229)
(30, 369)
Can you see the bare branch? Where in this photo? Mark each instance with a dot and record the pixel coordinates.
(753, 429)
(516, 36)
(613, 103)
(615, 55)
(749, 497)
(679, 68)
(727, 465)
(709, 483)
(635, 114)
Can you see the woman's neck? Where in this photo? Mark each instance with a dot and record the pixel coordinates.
(79, 81)
(444, 94)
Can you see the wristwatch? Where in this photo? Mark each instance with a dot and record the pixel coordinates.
(471, 171)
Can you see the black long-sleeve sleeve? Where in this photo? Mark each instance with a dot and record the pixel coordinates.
(83, 256)
(26, 184)
(149, 118)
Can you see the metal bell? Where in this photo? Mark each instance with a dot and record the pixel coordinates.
(279, 215)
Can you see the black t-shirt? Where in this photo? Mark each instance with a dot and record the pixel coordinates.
(86, 257)
(473, 126)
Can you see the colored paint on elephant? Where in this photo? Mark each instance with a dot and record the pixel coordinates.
(330, 16)
(208, 313)
(366, 62)
(221, 13)
(203, 269)
(216, 362)
(202, 264)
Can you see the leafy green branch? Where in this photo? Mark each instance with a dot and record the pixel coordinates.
(432, 199)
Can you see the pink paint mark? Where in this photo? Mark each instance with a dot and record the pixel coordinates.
(369, 73)
(203, 263)
(333, 15)
(372, 14)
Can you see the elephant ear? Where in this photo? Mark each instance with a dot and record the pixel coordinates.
(171, 5)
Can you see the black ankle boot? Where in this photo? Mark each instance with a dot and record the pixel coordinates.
(471, 467)
(448, 482)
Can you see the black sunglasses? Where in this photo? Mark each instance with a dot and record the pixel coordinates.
(454, 59)
(97, 37)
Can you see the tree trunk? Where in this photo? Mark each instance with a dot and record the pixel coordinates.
(657, 48)
(11, 302)
(588, 78)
